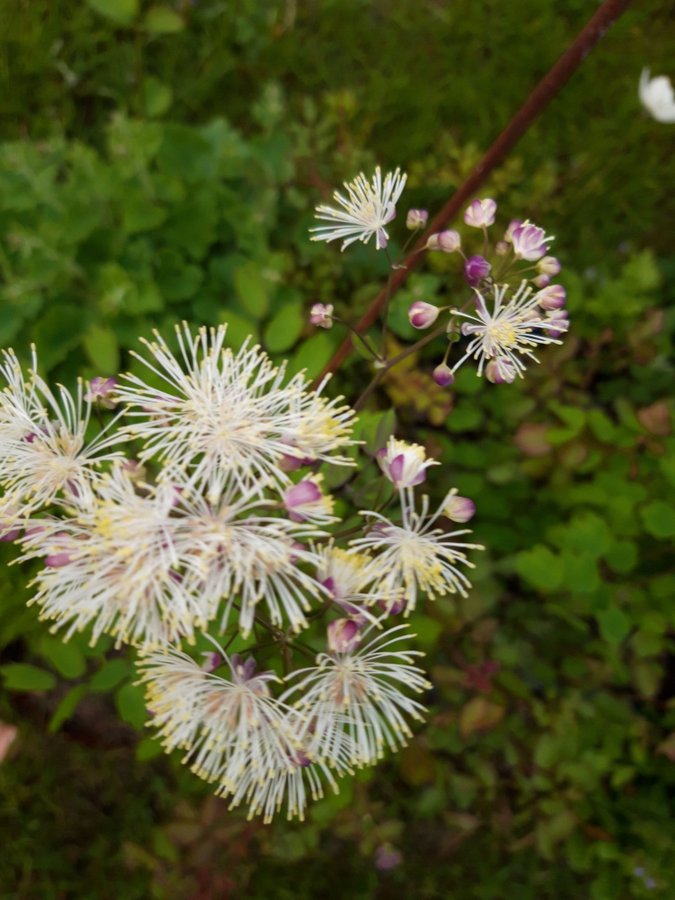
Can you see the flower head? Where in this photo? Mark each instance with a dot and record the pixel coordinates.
(225, 416)
(656, 95)
(357, 700)
(305, 501)
(417, 555)
(506, 333)
(529, 241)
(365, 211)
(404, 464)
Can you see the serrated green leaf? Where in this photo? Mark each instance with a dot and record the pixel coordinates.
(24, 677)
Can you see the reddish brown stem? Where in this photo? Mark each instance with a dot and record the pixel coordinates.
(535, 104)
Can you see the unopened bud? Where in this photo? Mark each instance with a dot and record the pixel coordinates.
(480, 213)
(541, 281)
(459, 509)
(416, 218)
(343, 636)
(548, 265)
(552, 297)
(442, 375)
(500, 371)
(321, 315)
(476, 268)
(422, 315)
(447, 241)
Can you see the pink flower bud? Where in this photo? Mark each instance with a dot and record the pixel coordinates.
(392, 607)
(442, 375)
(541, 281)
(459, 509)
(422, 315)
(7, 537)
(513, 224)
(500, 371)
(58, 560)
(416, 218)
(212, 661)
(447, 241)
(529, 241)
(100, 390)
(552, 297)
(305, 501)
(343, 636)
(481, 213)
(560, 320)
(321, 315)
(476, 268)
(548, 265)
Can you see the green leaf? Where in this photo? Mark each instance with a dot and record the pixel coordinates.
(479, 714)
(24, 677)
(285, 327)
(614, 624)
(541, 568)
(130, 703)
(659, 519)
(157, 96)
(160, 20)
(101, 346)
(67, 707)
(313, 354)
(58, 332)
(238, 329)
(67, 659)
(147, 749)
(123, 12)
(110, 675)
(253, 289)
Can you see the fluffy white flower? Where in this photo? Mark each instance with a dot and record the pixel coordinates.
(507, 332)
(357, 703)
(367, 208)
(123, 562)
(226, 416)
(234, 732)
(44, 453)
(656, 95)
(417, 555)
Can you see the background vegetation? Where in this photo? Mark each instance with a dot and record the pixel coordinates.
(160, 161)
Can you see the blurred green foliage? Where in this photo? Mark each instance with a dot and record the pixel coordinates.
(160, 162)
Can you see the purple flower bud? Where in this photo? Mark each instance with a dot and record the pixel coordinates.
(476, 268)
(447, 241)
(8, 536)
(100, 390)
(343, 636)
(416, 218)
(297, 549)
(422, 315)
(529, 241)
(58, 560)
(459, 509)
(480, 213)
(243, 670)
(560, 319)
(211, 662)
(442, 375)
(387, 857)
(548, 265)
(321, 315)
(298, 497)
(541, 281)
(552, 297)
(392, 607)
(500, 371)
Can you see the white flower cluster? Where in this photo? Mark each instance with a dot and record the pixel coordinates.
(212, 523)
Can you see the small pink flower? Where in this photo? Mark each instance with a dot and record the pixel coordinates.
(541, 281)
(460, 509)
(552, 297)
(404, 464)
(481, 213)
(416, 218)
(321, 315)
(422, 315)
(529, 241)
(343, 636)
(447, 241)
(476, 268)
(560, 319)
(442, 375)
(387, 857)
(100, 390)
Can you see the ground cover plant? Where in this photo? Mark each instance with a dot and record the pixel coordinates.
(132, 204)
